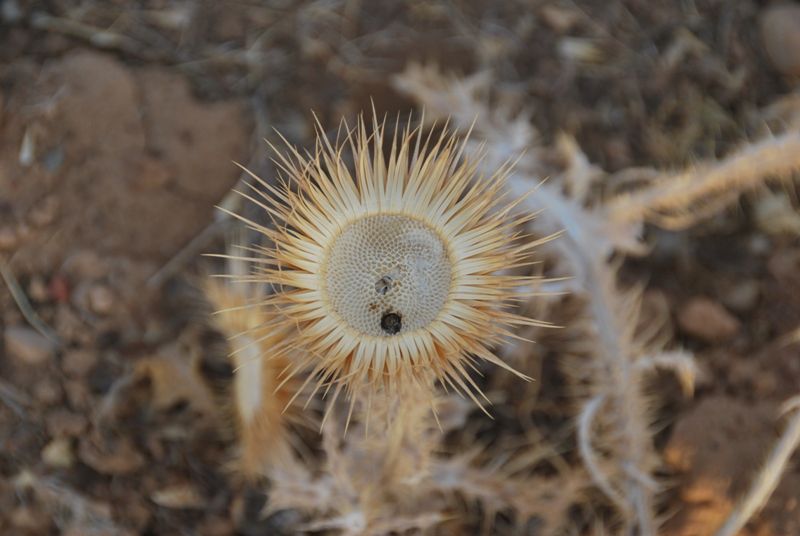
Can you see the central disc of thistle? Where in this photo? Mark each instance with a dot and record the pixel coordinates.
(387, 274)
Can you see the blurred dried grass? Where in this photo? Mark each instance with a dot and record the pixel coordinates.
(623, 96)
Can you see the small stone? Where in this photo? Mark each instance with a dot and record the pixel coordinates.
(784, 266)
(44, 213)
(715, 448)
(78, 363)
(30, 520)
(101, 299)
(110, 456)
(8, 238)
(23, 480)
(58, 289)
(27, 345)
(218, 526)
(70, 326)
(135, 511)
(58, 453)
(759, 244)
(23, 231)
(780, 31)
(11, 13)
(181, 496)
(742, 295)
(82, 529)
(47, 391)
(560, 19)
(78, 394)
(707, 320)
(775, 215)
(37, 289)
(580, 50)
(61, 422)
(84, 264)
(153, 175)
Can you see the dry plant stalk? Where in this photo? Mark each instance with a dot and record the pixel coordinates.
(389, 479)
(375, 481)
(395, 275)
(613, 378)
(621, 357)
(679, 201)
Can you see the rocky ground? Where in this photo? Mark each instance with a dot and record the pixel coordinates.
(119, 123)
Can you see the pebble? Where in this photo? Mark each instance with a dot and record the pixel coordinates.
(101, 299)
(580, 50)
(78, 394)
(61, 422)
(784, 266)
(218, 526)
(742, 296)
(78, 363)
(37, 289)
(24, 232)
(58, 453)
(8, 238)
(560, 19)
(27, 345)
(58, 288)
(780, 32)
(11, 13)
(180, 496)
(84, 264)
(136, 513)
(759, 244)
(44, 213)
(70, 326)
(30, 520)
(47, 391)
(707, 320)
(153, 175)
(110, 456)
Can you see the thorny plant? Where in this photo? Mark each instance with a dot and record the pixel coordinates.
(378, 284)
(344, 492)
(446, 298)
(617, 356)
(397, 273)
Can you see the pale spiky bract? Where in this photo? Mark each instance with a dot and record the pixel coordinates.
(394, 270)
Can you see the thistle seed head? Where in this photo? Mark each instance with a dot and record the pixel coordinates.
(384, 265)
(395, 269)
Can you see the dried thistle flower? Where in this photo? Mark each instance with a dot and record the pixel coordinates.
(396, 271)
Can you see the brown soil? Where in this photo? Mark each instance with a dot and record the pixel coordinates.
(111, 161)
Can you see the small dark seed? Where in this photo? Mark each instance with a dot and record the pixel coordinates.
(391, 323)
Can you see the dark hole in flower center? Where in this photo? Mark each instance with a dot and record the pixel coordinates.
(383, 285)
(391, 323)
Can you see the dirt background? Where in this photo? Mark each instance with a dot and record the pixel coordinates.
(119, 123)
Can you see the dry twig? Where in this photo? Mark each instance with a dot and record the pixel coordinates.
(25, 306)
